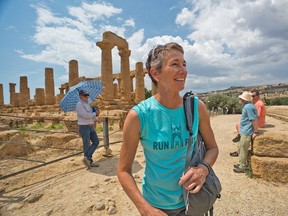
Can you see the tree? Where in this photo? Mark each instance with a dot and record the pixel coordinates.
(148, 93)
(222, 101)
(279, 101)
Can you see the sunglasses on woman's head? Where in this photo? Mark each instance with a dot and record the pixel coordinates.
(156, 50)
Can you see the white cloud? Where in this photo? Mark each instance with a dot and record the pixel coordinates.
(120, 31)
(75, 37)
(45, 16)
(88, 13)
(129, 22)
(242, 40)
(185, 17)
(11, 28)
(229, 42)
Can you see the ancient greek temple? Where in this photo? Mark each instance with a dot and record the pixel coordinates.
(118, 91)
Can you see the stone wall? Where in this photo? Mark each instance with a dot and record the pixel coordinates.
(278, 112)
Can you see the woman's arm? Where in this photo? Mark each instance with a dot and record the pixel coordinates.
(131, 136)
(207, 134)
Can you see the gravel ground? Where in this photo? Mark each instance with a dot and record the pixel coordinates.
(67, 188)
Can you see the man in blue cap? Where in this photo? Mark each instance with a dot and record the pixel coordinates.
(86, 117)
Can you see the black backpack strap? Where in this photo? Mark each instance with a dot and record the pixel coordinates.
(188, 101)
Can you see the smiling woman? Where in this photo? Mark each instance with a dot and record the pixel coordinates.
(159, 124)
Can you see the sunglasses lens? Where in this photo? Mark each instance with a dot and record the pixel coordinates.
(156, 50)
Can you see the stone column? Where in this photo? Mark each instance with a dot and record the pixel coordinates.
(40, 96)
(131, 82)
(115, 90)
(106, 69)
(118, 79)
(61, 90)
(49, 87)
(125, 75)
(12, 93)
(16, 97)
(60, 96)
(119, 84)
(64, 88)
(24, 95)
(73, 73)
(140, 85)
(1, 95)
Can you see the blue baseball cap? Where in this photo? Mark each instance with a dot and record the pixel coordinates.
(83, 92)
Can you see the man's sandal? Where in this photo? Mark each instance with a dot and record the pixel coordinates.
(234, 154)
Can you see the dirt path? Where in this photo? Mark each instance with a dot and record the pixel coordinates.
(67, 188)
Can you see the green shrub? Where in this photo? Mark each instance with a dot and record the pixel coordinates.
(55, 127)
(37, 126)
(148, 93)
(279, 101)
(99, 128)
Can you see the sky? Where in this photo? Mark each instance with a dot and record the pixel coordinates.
(226, 42)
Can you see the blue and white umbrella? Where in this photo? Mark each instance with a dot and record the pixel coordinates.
(69, 101)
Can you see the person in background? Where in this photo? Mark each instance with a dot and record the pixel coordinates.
(86, 122)
(248, 130)
(261, 109)
(159, 124)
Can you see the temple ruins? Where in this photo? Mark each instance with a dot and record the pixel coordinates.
(118, 92)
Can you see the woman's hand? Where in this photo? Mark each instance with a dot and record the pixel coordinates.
(151, 211)
(254, 135)
(194, 178)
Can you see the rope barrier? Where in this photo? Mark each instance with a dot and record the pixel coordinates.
(26, 159)
(41, 146)
(34, 167)
(32, 117)
(46, 163)
(43, 131)
(51, 147)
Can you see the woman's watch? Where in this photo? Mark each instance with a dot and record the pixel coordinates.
(256, 132)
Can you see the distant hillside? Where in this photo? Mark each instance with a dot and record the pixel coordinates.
(267, 91)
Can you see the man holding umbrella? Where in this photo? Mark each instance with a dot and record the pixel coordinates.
(86, 117)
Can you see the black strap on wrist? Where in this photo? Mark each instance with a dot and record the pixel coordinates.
(206, 164)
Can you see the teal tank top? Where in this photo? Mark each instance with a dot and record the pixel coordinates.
(164, 139)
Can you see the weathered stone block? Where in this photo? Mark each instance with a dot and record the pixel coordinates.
(17, 146)
(55, 121)
(271, 145)
(270, 169)
(7, 134)
(71, 125)
(40, 120)
(57, 140)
